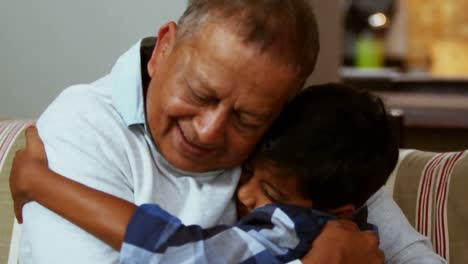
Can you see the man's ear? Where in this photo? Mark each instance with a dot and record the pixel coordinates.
(345, 211)
(165, 43)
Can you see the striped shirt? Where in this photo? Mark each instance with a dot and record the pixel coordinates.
(273, 233)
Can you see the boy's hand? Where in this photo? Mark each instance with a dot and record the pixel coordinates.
(25, 163)
(341, 241)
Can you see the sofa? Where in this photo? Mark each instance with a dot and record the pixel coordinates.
(429, 187)
(11, 140)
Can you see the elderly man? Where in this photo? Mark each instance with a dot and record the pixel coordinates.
(177, 116)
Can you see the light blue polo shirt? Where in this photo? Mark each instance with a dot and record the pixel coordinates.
(95, 134)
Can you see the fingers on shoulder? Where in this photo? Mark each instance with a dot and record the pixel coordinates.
(31, 130)
(32, 135)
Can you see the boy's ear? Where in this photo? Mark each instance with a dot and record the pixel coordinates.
(345, 211)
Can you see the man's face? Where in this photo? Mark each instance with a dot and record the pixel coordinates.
(262, 184)
(212, 97)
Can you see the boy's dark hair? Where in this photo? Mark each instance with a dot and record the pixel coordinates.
(337, 140)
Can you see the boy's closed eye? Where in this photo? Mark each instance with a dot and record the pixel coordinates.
(262, 184)
(273, 193)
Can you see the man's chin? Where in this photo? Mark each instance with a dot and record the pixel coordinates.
(189, 165)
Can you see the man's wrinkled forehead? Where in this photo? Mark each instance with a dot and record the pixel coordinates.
(222, 39)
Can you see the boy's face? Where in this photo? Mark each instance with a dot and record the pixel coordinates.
(262, 184)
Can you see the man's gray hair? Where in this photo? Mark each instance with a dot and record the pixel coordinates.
(286, 29)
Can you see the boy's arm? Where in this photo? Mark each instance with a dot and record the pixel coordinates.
(150, 228)
(106, 217)
(156, 235)
(74, 129)
(103, 215)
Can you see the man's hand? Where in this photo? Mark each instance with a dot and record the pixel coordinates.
(342, 242)
(25, 163)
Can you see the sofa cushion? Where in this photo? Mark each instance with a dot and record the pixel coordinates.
(431, 190)
(11, 140)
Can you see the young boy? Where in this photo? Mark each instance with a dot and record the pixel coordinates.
(330, 150)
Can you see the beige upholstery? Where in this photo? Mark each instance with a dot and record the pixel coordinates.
(432, 190)
(11, 139)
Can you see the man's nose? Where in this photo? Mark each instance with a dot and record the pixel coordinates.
(210, 125)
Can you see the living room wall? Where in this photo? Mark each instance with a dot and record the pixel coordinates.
(48, 45)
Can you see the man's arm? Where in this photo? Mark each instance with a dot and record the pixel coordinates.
(72, 129)
(400, 242)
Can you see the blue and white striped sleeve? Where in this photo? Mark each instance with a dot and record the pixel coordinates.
(269, 234)
(155, 236)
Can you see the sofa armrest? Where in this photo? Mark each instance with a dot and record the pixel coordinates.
(430, 188)
(11, 140)
(390, 184)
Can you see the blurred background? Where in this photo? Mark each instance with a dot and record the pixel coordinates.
(414, 53)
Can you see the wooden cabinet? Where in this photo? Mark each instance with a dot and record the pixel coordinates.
(435, 111)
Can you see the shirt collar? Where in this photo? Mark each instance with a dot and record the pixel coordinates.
(129, 75)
